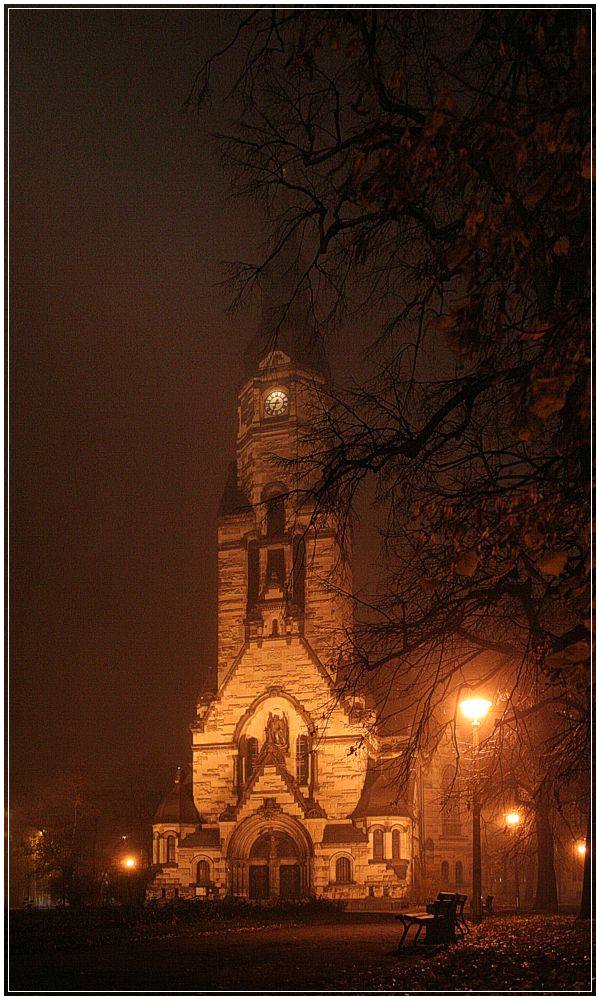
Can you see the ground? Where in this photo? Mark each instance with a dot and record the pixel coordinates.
(340, 952)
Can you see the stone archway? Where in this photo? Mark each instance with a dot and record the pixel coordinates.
(269, 857)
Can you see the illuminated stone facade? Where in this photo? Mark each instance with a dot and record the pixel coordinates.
(287, 794)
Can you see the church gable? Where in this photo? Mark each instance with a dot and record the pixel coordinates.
(322, 750)
(289, 667)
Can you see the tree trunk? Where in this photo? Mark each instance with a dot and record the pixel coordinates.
(546, 897)
(585, 910)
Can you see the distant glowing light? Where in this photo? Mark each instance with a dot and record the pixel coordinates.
(513, 818)
(475, 709)
(129, 862)
(582, 848)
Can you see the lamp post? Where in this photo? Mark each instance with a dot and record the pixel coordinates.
(476, 709)
(513, 820)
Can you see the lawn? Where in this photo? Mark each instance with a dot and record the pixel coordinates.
(302, 951)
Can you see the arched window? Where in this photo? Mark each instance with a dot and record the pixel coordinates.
(343, 870)
(170, 848)
(203, 873)
(451, 819)
(251, 755)
(395, 845)
(156, 848)
(275, 517)
(378, 851)
(302, 759)
(445, 871)
(458, 873)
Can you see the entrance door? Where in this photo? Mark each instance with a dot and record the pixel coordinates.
(289, 881)
(259, 882)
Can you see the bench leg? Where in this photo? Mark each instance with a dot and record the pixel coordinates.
(438, 932)
(403, 938)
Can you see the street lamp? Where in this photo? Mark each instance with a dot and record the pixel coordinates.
(513, 820)
(476, 709)
(582, 848)
(129, 863)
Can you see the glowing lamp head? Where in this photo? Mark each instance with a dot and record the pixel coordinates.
(513, 819)
(475, 709)
(129, 863)
(581, 848)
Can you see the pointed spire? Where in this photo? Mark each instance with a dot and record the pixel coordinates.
(284, 324)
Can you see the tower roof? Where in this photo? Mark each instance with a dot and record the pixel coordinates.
(381, 794)
(303, 348)
(178, 804)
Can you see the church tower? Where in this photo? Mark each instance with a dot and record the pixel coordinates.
(283, 797)
(279, 573)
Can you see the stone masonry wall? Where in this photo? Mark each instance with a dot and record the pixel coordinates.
(232, 589)
(285, 664)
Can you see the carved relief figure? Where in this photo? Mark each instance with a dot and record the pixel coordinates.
(277, 731)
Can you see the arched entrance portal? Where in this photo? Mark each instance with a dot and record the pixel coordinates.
(275, 867)
(269, 859)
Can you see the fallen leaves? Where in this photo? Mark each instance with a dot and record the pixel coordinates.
(508, 954)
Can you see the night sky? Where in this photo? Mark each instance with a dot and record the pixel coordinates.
(124, 363)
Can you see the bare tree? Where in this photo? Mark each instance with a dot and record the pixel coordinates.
(433, 168)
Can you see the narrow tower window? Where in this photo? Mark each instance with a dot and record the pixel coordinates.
(299, 571)
(395, 845)
(253, 573)
(276, 567)
(302, 760)
(251, 755)
(275, 517)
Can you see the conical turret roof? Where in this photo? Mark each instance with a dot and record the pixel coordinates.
(178, 804)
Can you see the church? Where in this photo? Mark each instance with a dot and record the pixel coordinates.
(288, 793)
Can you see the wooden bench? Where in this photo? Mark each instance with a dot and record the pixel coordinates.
(460, 920)
(439, 923)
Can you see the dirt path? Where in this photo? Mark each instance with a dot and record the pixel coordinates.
(348, 956)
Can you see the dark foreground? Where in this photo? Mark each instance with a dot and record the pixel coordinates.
(344, 953)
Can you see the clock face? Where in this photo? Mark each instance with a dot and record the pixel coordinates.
(277, 403)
